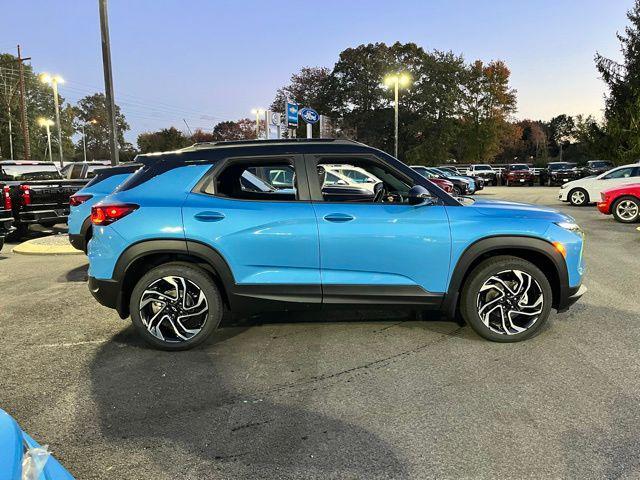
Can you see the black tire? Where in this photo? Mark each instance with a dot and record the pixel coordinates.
(581, 197)
(471, 298)
(194, 277)
(495, 182)
(632, 203)
(457, 191)
(531, 183)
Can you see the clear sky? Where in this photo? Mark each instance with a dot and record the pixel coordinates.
(213, 60)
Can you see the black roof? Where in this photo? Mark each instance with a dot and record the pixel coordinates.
(212, 151)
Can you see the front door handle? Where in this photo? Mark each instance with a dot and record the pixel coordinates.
(338, 217)
(209, 216)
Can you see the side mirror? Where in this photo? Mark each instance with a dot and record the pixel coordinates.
(418, 194)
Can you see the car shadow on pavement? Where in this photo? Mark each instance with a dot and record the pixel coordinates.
(204, 413)
(78, 274)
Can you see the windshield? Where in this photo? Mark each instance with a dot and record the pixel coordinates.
(560, 166)
(483, 168)
(444, 173)
(519, 167)
(600, 164)
(20, 173)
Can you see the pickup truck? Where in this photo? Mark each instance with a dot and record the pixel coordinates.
(35, 193)
(6, 224)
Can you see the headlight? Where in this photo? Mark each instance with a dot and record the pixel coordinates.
(572, 227)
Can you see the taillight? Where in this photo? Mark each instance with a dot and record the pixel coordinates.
(25, 195)
(107, 214)
(75, 200)
(6, 197)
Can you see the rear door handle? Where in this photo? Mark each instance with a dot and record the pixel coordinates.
(209, 216)
(338, 217)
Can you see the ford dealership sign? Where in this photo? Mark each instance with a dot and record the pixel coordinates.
(309, 115)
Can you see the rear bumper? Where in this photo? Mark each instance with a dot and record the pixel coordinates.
(46, 216)
(78, 242)
(106, 292)
(571, 296)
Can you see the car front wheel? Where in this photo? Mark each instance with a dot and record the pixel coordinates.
(506, 299)
(578, 197)
(175, 306)
(627, 209)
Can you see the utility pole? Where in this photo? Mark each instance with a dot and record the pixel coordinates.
(23, 107)
(108, 82)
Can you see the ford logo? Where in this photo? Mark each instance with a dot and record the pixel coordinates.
(309, 115)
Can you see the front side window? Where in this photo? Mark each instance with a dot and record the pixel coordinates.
(390, 186)
(254, 180)
(620, 173)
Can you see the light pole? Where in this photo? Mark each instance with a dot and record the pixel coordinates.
(54, 80)
(84, 137)
(396, 81)
(257, 112)
(46, 122)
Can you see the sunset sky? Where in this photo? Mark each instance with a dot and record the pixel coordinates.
(207, 61)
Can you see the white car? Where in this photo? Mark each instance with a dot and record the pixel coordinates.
(350, 175)
(587, 190)
(485, 171)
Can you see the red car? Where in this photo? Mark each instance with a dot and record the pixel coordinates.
(622, 202)
(445, 185)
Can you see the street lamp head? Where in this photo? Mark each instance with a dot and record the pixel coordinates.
(93, 121)
(50, 79)
(45, 78)
(45, 122)
(390, 80)
(404, 80)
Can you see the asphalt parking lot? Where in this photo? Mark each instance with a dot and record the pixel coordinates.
(350, 395)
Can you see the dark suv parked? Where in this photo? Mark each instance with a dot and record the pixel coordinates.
(596, 167)
(558, 173)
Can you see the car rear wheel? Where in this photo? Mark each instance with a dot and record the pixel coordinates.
(175, 306)
(506, 299)
(626, 209)
(578, 197)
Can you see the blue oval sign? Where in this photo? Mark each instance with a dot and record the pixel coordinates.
(309, 115)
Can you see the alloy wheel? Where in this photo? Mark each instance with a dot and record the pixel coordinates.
(510, 302)
(173, 309)
(578, 197)
(627, 210)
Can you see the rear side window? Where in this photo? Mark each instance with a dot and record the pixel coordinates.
(254, 179)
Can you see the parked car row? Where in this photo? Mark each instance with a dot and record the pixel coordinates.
(616, 192)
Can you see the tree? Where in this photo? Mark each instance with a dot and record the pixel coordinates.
(488, 102)
(163, 140)
(244, 129)
(622, 105)
(200, 136)
(92, 112)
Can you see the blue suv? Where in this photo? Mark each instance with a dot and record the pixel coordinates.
(252, 226)
(102, 184)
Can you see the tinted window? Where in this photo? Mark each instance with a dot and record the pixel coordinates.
(519, 167)
(254, 180)
(621, 173)
(483, 167)
(20, 173)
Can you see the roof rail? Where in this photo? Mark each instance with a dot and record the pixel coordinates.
(269, 142)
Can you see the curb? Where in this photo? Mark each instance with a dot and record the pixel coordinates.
(56, 245)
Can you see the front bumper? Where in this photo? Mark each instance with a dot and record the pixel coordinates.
(571, 297)
(603, 207)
